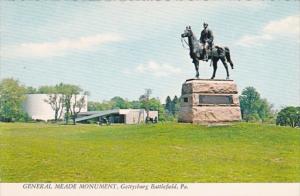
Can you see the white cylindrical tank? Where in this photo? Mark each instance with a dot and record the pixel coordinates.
(38, 109)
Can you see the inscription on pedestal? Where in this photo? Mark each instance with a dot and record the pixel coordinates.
(215, 99)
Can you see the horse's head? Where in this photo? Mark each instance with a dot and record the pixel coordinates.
(187, 32)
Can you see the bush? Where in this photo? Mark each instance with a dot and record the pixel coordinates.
(23, 117)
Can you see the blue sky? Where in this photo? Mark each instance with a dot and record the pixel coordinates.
(121, 48)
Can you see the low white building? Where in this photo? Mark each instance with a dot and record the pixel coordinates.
(38, 109)
(126, 116)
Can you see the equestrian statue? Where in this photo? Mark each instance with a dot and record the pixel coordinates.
(204, 49)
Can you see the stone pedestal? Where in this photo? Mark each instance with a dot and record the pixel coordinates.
(209, 102)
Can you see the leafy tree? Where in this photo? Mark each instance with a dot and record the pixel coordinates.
(94, 106)
(254, 108)
(154, 104)
(31, 90)
(265, 110)
(120, 103)
(12, 95)
(168, 106)
(77, 104)
(175, 105)
(107, 105)
(162, 114)
(171, 108)
(289, 116)
(64, 98)
(145, 103)
(113, 104)
(135, 104)
(98, 106)
(56, 99)
(71, 91)
(46, 89)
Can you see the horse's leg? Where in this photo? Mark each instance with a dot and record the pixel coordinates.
(196, 63)
(227, 55)
(215, 62)
(226, 67)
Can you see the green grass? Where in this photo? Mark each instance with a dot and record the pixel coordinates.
(149, 153)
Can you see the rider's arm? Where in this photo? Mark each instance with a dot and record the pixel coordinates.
(211, 36)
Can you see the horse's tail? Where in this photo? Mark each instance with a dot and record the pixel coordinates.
(227, 55)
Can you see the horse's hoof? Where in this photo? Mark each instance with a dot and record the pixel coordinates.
(212, 78)
(227, 78)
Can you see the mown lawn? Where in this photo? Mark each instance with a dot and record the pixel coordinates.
(149, 153)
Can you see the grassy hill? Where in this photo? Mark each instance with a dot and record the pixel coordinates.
(149, 153)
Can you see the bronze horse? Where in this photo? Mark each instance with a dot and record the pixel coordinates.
(216, 53)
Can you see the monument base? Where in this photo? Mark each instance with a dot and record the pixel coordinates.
(209, 102)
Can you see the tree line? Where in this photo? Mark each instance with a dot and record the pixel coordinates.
(67, 100)
(64, 99)
(254, 108)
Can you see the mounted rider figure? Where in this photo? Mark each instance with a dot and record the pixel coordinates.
(207, 39)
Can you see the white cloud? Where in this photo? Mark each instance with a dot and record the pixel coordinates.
(286, 27)
(289, 26)
(156, 69)
(60, 47)
(251, 40)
